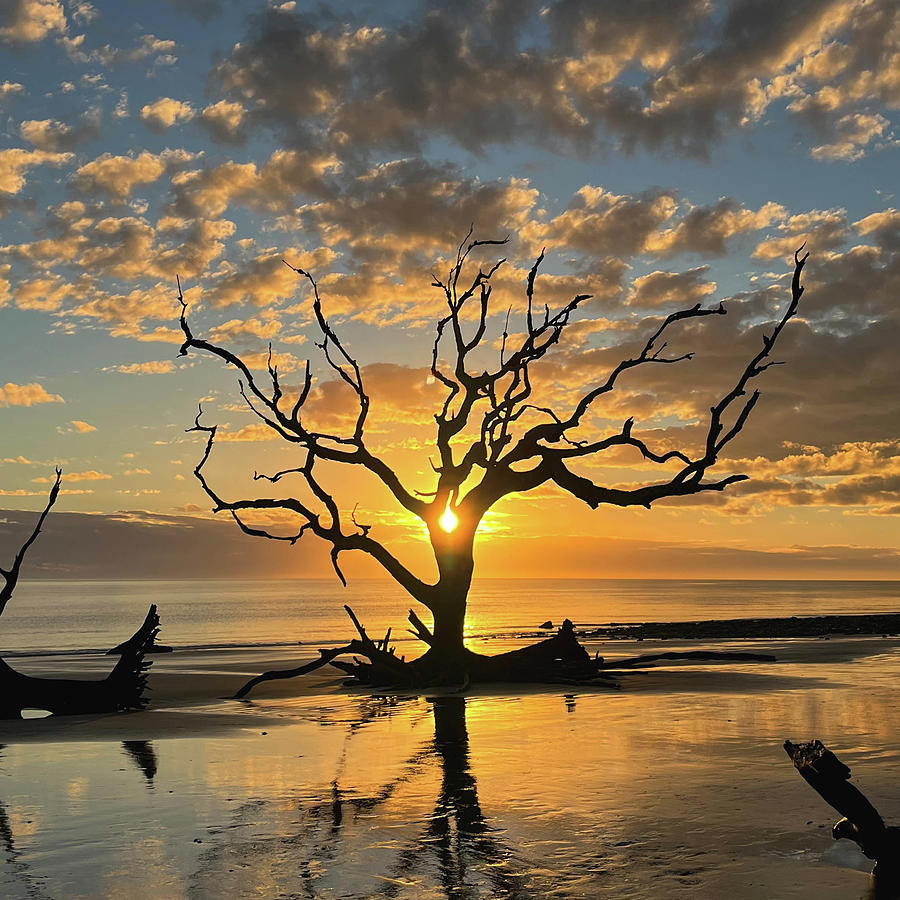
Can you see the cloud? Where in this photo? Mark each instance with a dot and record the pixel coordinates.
(162, 114)
(149, 45)
(132, 309)
(90, 475)
(51, 134)
(249, 433)
(19, 492)
(83, 12)
(674, 77)
(155, 367)
(708, 229)
(10, 89)
(676, 289)
(117, 176)
(16, 162)
(26, 395)
(209, 192)
(599, 222)
(224, 121)
(852, 133)
(884, 226)
(261, 281)
(238, 328)
(821, 230)
(141, 544)
(79, 427)
(28, 21)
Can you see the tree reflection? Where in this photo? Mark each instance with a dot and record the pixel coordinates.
(144, 757)
(13, 863)
(340, 841)
(458, 841)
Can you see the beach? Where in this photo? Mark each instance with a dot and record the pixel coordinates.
(675, 785)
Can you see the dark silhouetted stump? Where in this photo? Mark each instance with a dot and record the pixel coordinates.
(829, 778)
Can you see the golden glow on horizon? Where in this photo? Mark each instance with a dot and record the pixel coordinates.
(448, 520)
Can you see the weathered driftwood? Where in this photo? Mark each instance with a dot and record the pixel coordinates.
(651, 659)
(560, 659)
(122, 689)
(829, 777)
(129, 646)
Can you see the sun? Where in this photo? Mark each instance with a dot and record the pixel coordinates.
(448, 520)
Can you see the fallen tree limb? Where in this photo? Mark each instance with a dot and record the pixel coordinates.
(326, 657)
(829, 778)
(121, 690)
(634, 662)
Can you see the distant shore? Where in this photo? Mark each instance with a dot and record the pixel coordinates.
(792, 626)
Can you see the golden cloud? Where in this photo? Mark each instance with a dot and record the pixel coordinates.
(26, 395)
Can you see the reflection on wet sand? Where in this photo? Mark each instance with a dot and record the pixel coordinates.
(457, 842)
(144, 757)
(447, 849)
(13, 861)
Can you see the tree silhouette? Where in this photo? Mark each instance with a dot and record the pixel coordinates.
(491, 440)
(122, 689)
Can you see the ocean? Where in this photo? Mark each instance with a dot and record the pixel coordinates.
(86, 616)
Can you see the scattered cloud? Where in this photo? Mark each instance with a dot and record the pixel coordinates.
(79, 427)
(256, 431)
(26, 395)
(162, 114)
(852, 134)
(117, 176)
(155, 367)
(675, 289)
(90, 475)
(28, 21)
(225, 121)
(15, 163)
(10, 89)
(53, 135)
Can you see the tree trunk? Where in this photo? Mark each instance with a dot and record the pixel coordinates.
(449, 624)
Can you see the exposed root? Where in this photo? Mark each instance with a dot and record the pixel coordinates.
(560, 659)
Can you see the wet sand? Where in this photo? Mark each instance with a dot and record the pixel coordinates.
(675, 786)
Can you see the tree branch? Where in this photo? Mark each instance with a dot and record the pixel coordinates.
(11, 575)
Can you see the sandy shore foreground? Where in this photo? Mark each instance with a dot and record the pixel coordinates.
(675, 786)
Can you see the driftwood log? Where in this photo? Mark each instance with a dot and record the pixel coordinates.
(829, 778)
(560, 659)
(122, 689)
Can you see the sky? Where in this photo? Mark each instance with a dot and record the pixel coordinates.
(664, 154)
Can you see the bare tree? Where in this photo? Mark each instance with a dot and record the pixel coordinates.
(491, 441)
(122, 689)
